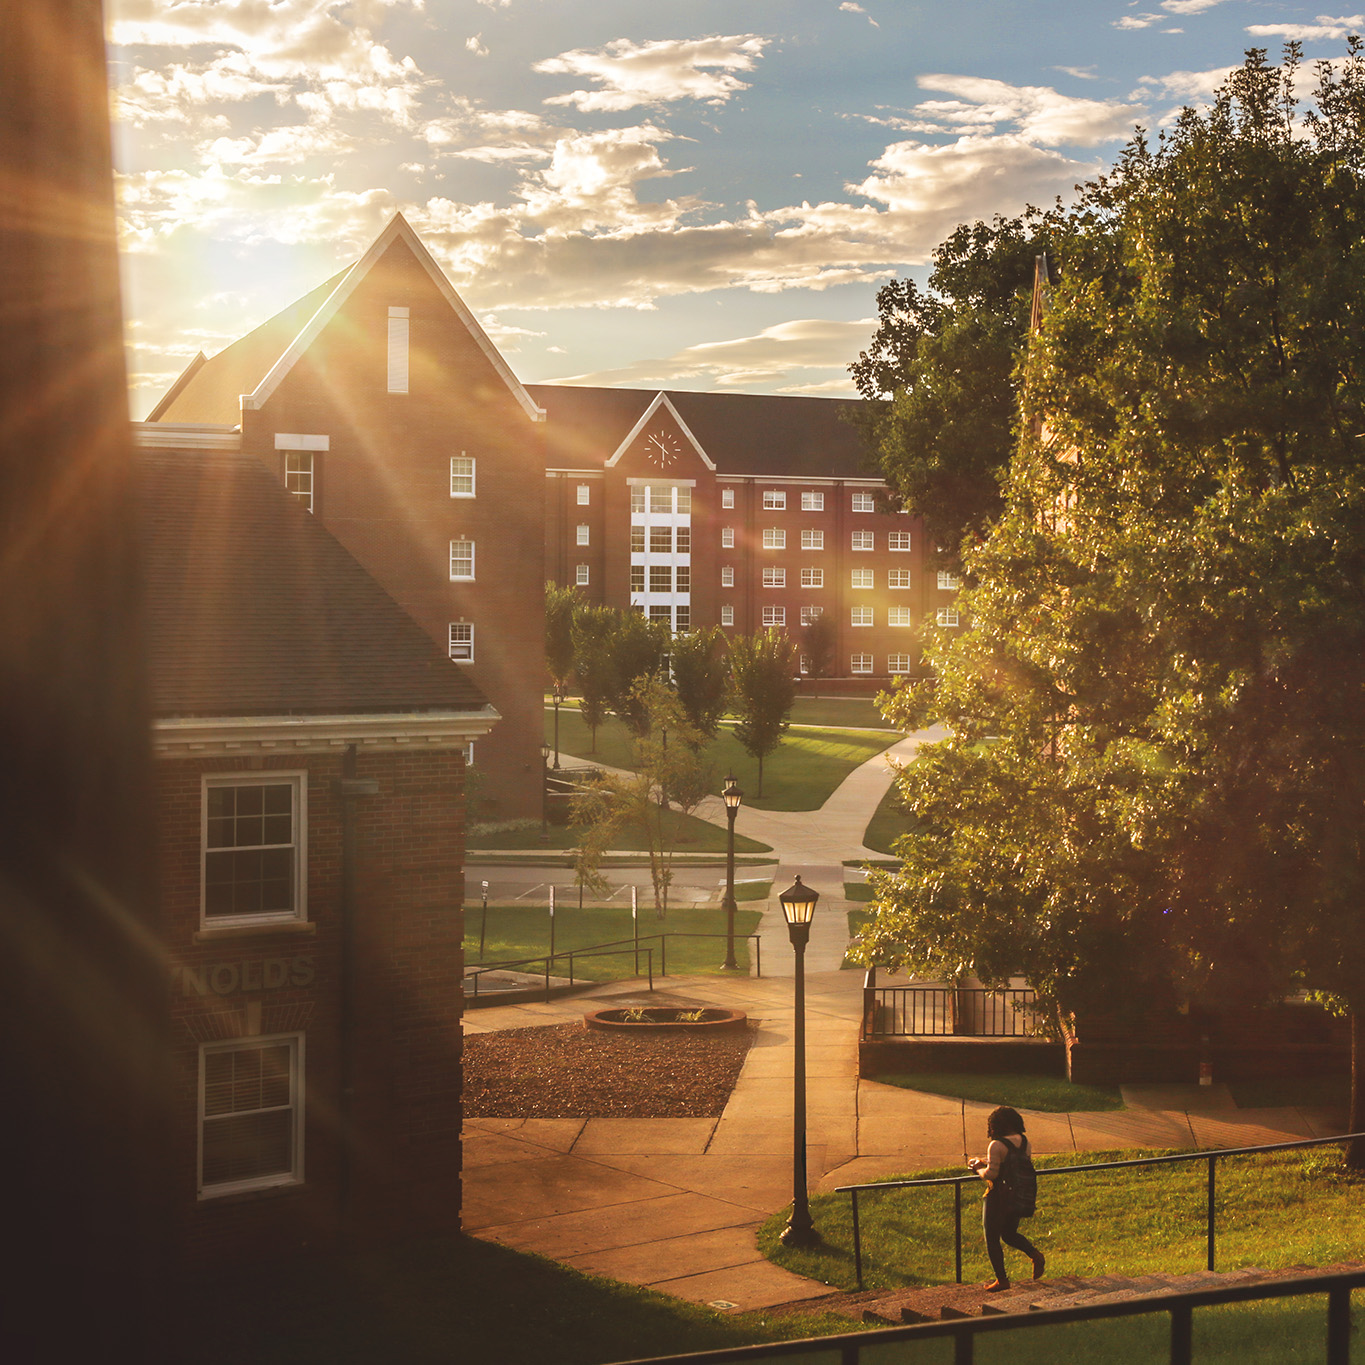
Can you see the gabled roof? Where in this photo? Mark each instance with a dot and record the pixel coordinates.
(660, 401)
(245, 374)
(255, 609)
(741, 433)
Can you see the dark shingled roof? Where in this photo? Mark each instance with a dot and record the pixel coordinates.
(744, 433)
(211, 390)
(255, 609)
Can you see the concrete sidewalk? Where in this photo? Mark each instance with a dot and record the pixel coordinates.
(674, 1203)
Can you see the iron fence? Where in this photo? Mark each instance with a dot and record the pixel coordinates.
(947, 1011)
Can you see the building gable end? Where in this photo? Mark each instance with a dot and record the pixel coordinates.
(651, 415)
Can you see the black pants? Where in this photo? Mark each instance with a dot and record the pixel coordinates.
(999, 1226)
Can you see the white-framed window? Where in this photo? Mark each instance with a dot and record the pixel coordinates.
(947, 616)
(637, 578)
(661, 578)
(682, 578)
(861, 616)
(661, 540)
(637, 540)
(898, 540)
(949, 582)
(682, 619)
(810, 615)
(584, 534)
(812, 502)
(864, 540)
(898, 578)
(864, 502)
(727, 616)
(398, 350)
(774, 578)
(662, 613)
(802, 662)
(469, 754)
(774, 500)
(774, 616)
(462, 560)
(462, 476)
(861, 578)
(637, 498)
(683, 537)
(860, 663)
(684, 507)
(253, 848)
(812, 540)
(462, 642)
(250, 1114)
(898, 616)
(774, 538)
(727, 576)
(727, 497)
(660, 499)
(898, 663)
(584, 494)
(727, 538)
(582, 575)
(298, 475)
(812, 578)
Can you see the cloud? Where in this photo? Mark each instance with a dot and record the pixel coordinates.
(1188, 6)
(1038, 112)
(1183, 85)
(1326, 27)
(848, 7)
(1081, 73)
(1134, 21)
(476, 45)
(762, 359)
(631, 75)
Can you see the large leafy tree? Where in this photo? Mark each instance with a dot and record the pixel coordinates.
(635, 650)
(939, 377)
(701, 679)
(762, 691)
(591, 634)
(1154, 789)
(560, 605)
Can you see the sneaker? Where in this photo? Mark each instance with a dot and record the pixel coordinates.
(996, 1286)
(1038, 1264)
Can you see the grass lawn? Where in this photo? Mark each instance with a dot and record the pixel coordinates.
(1281, 1209)
(856, 891)
(858, 713)
(452, 1300)
(692, 836)
(888, 823)
(807, 767)
(1051, 1094)
(519, 931)
(753, 890)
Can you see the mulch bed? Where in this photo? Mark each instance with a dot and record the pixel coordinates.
(566, 1071)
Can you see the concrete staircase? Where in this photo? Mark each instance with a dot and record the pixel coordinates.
(1062, 1291)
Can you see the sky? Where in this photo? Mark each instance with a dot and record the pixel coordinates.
(694, 194)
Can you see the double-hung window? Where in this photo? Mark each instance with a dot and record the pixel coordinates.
(462, 560)
(810, 615)
(898, 578)
(898, 663)
(253, 849)
(727, 497)
(898, 540)
(398, 350)
(864, 502)
(584, 534)
(864, 540)
(950, 582)
(812, 540)
(812, 578)
(898, 616)
(584, 494)
(774, 538)
(947, 616)
(727, 538)
(861, 578)
(774, 578)
(774, 500)
(862, 616)
(812, 502)
(727, 576)
(461, 476)
(860, 663)
(250, 1114)
(582, 575)
(298, 475)
(774, 616)
(727, 615)
(462, 642)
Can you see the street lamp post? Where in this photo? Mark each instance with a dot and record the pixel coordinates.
(558, 697)
(798, 905)
(732, 797)
(544, 792)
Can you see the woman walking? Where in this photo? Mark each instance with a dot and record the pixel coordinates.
(1011, 1191)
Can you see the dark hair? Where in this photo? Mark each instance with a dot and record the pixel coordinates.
(1004, 1121)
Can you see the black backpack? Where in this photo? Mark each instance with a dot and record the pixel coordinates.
(1020, 1182)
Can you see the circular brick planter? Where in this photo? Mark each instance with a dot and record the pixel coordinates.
(664, 1019)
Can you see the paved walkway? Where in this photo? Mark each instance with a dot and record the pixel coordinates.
(674, 1203)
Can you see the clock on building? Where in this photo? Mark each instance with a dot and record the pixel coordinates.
(661, 448)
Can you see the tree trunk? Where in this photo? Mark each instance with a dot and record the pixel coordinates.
(760, 774)
(1355, 1120)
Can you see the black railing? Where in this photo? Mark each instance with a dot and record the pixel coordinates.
(849, 1346)
(946, 1011)
(958, 1181)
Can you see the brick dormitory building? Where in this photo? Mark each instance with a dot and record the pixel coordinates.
(309, 742)
(381, 405)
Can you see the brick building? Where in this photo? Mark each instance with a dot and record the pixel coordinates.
(381, 404)
(741, 510)
(310, 743)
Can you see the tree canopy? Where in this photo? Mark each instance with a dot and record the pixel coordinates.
(763, 691)
(1154, 786)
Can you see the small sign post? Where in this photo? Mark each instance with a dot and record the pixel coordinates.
(483, 921)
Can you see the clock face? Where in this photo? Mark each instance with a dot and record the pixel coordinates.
(662, 448)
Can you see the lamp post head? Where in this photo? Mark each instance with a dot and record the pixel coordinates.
(798, 903)
(732, 796)
(545, 752)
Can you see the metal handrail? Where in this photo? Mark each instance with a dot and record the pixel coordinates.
(1212, 1156)
(964, 1331)
(936, 1012)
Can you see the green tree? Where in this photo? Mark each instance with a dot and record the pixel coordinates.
(818, 641)
(560, 605)
(635, 650)
(939, 377)
(592, 630)
(762, 691)
(701, 679)
(1154, 788)
(669, 772)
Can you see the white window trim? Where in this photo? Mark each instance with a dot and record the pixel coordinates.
(855, 662)
(584, 495)
(860, 580)
(947, 617)
(727, 538)
(727, 615)
(450, 642)
(398, 350)
(774, 538)
(892, 576)
(298, 779)
(297, 1092)
(462, 577)
(727, 576)
(894, 667)
(893, 536)
(773, 617)
(812, 578)
(863, 502)
(863, 549)
(473, 476)
(582, 575)
(855, 624)
(816, 538)
(774, 500)
(774, 578)
(583, 534)
(812, 502)
(727, 497)
(903, 612)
